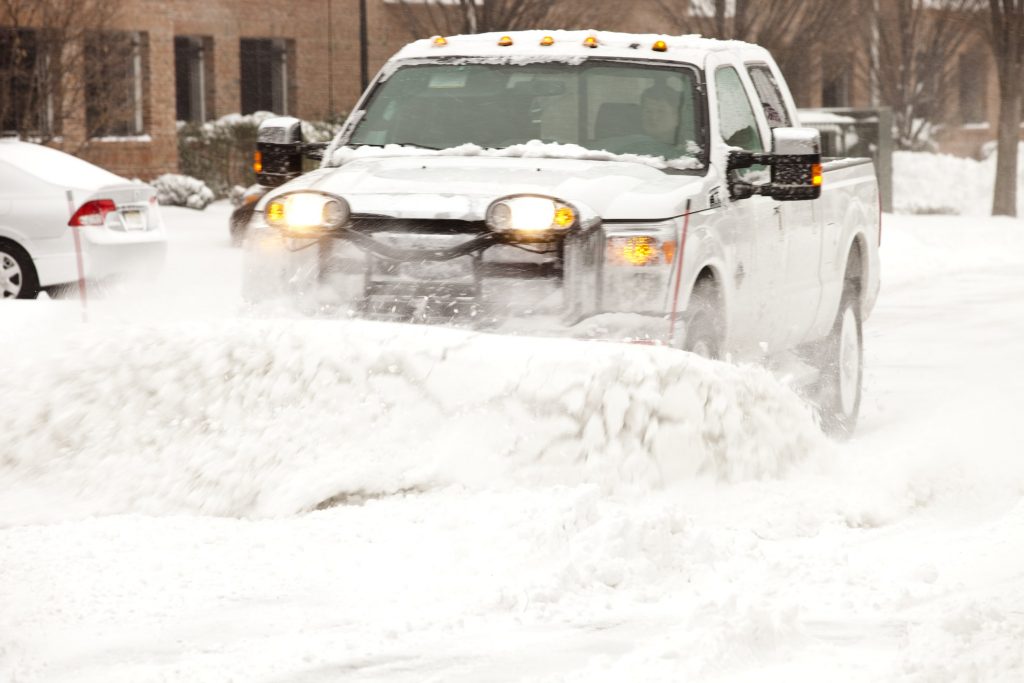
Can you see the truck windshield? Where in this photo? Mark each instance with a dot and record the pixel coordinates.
(617, 107)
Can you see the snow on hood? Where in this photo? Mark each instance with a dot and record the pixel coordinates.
(267, 418)
(461, 182)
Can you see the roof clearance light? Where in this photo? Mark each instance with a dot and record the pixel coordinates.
(590, 41)
(659, 46)
(547, 41)
(505, 41)
(440, 41)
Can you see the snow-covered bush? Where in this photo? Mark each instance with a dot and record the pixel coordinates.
(173, 189)
(220, 152)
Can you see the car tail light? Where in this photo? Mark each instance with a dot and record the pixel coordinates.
(92, 213)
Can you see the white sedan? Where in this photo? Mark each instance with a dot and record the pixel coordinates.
(49, 200)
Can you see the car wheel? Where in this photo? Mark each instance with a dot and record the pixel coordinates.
(841, 368)
(18, 279)
(703, 331)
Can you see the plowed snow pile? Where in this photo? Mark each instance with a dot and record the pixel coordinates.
(266, 418)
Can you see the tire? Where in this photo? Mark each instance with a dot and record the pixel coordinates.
(841, 368)
(703, 330)
(18, 278)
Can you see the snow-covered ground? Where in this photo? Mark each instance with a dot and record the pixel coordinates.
(188, 495)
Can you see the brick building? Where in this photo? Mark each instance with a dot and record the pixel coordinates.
(196, 60)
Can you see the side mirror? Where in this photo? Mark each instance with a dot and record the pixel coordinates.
(279, 149)
(795, 164)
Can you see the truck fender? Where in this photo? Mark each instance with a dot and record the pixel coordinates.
(854, 231)
(706, 257)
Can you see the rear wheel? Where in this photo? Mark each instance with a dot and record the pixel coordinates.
(841, 366)
(18, 279)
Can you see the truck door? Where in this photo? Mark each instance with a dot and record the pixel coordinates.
(799, 285)
(756, 216)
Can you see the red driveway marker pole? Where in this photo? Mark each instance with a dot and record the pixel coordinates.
(679, 275)
(78, 258)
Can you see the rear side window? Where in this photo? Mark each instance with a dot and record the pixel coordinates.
(737, 124)
(770, 95)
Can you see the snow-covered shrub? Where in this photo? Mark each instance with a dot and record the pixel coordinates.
(173, 189)
(220, 152)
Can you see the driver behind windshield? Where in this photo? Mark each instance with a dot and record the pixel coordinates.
(658, 133)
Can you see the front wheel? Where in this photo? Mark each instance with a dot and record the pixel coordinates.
(841, 368)
(18, 278)
(703, 329)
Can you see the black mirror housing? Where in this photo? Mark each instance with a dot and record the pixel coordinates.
(795, 167)
(279, 150)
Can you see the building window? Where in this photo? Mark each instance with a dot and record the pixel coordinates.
(114, 83)
(973, 89)
(266, 65)
(709, 8)
(24, 106)
(193, 77)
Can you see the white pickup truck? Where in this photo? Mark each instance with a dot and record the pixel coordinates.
(598, 179)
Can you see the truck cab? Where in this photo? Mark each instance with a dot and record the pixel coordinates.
(595, 184)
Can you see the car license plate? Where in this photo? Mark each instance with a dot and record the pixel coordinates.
(133, 220)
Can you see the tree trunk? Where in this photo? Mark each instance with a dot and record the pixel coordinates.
(1004, 199)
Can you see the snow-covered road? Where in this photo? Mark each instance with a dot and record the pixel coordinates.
(508, 509)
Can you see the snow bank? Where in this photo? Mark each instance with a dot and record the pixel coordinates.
(267, 418)
(928, 183)
(182, 190)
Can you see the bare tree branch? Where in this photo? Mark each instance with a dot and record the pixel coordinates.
(434, 17)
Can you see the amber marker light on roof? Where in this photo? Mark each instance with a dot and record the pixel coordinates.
(659, 46)
(440, 41)
(590, 41)
(257, 161)
(547, 40)
(505, 41)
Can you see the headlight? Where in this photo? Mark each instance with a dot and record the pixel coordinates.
(531, 215)
(306, 212)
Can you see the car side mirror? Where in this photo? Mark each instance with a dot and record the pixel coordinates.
(278, 156)
(795, 164)
(280, 150)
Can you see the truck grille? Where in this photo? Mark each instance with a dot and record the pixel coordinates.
(441, 226)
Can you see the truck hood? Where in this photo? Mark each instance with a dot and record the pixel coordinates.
(463, 187)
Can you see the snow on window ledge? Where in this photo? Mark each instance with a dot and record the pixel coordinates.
(122, 138)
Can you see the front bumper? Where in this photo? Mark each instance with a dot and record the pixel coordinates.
(431, 270)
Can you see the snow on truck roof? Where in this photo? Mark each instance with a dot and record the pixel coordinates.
(576, 45)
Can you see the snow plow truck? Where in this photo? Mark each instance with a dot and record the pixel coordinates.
(598, 184)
